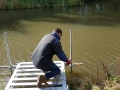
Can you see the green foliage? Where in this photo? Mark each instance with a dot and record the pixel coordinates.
(15, 4)
(21, 4)
(70, 2)
(18, 4)
(95, 87)
(74, 81)
(3, 4)
(114, 78)
(2, 83)
(73, 2)
(88, 86)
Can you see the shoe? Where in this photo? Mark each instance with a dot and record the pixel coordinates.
(41, 79)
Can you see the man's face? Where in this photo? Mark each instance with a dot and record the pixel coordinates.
(60, 35)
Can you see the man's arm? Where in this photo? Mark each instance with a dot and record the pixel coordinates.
(59, 52)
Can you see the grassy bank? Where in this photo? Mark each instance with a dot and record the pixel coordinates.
(100, 79)
(26, 4)
(30, 4)
(75, 82)
(2, 82)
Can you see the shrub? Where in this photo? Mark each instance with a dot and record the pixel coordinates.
(3, 5)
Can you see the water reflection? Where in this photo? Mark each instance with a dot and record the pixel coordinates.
(95, 14)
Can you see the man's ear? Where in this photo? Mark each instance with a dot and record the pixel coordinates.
(59, 34)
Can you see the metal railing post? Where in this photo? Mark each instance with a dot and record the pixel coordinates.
(8, 53)
(71, 49)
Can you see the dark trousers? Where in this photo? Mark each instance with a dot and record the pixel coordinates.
(51, 70)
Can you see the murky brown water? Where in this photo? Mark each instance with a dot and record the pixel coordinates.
(96, 34)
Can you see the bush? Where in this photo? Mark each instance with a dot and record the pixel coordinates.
(3, 5)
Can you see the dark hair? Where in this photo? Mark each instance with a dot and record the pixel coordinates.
(57, 30)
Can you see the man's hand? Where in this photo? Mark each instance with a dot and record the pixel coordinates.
(68, 62)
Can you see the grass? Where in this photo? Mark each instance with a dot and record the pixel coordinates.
(2, 86)
(76, 83)
(3, 5)
(99, 80)
(26, 4)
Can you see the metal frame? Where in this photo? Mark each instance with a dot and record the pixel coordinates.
(25, 78)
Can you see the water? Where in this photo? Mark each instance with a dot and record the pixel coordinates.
(95, 27)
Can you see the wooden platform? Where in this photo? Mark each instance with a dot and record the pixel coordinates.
(25, 78)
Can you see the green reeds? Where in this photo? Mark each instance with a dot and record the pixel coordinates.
(19, 4)
(25, 4)
(97, 79)
(74, 81)
(3, 4)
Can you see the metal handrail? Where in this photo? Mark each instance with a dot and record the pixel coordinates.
(13, 66)
(8, 53)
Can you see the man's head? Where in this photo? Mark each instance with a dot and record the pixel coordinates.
(58, 31)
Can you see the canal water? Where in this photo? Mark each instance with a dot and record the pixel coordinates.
(95, 35)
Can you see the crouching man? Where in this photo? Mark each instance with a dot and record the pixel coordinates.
(42, 56)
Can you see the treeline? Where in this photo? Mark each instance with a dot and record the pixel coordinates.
(25, 4)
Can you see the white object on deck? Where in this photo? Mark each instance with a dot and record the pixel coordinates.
(25, 78)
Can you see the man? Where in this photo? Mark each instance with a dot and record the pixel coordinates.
(43, 54)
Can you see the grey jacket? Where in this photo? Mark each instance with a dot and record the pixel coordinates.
(48, 46)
